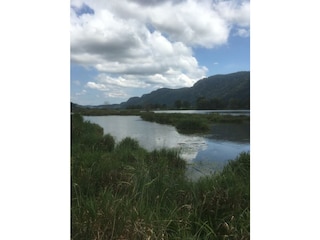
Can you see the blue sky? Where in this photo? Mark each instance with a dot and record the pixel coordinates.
(122, 49)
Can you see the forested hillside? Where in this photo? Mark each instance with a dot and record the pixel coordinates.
(229, 91)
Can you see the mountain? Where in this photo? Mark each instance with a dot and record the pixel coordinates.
(216, 92)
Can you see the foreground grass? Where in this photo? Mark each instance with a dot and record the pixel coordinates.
(121, 191)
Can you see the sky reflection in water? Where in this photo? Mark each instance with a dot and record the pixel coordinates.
(205, 153)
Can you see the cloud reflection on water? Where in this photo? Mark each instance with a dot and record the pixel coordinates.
(204, 153)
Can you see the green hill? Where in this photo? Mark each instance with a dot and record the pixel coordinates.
(230, 91)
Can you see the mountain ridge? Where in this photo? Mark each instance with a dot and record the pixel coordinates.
(221, 91)
(223, 87)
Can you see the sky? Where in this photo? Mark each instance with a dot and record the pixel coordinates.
(123, 49)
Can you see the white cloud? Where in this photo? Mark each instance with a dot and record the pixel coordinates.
(242, 32)
(135, 44)
(97, 86)
(234, 13)
(125, 81)
(83, 92)
(115, 87)
(191, 22)
(117, 94)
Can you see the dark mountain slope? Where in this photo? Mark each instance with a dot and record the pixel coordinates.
(229, 89)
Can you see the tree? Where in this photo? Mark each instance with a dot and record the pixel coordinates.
(186, 104)
(216, 104)
(178, 104)
(202, 103)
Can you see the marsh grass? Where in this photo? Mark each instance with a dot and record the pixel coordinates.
(122, 191)
(192, 123)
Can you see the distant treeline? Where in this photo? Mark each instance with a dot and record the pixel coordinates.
(202, 103)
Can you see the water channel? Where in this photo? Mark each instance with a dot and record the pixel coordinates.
(205, 153)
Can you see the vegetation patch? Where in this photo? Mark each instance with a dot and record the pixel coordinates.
(192, 126)
(121, 191)
(192, 123)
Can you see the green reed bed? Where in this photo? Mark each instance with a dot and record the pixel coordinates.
(105, 112)
(192, 123)
(122, 191)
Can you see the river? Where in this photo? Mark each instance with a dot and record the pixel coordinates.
(205, 153)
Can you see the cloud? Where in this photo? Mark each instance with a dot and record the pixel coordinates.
(115, 87)
(148, 44)
(193, 23)
(234, 13)
(117, 94)
(155, 2)
(125, 81)
(83, 92)
(242, 32)
(97, 86)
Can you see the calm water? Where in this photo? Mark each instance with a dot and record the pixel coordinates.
(205, 153)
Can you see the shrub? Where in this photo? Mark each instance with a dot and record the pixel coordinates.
(128, 144)
(107, 143)
(192, 126)
(225, 198)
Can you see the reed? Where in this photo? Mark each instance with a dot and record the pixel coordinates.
(192, 123)
(126, 192)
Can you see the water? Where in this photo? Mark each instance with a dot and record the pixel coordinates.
(205, 153)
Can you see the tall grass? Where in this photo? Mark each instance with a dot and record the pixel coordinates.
(192, 123)
(121, 191)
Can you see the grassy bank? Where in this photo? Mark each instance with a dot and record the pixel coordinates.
(192, 123)
(106, 112)
(184, 123)
(121, 191)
